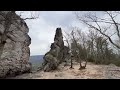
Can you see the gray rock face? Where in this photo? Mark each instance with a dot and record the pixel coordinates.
(57, 53)
(14, 44)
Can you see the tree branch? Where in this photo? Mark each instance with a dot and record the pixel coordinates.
(116, 25)
(101, 33)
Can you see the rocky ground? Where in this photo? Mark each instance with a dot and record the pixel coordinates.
(91, 72)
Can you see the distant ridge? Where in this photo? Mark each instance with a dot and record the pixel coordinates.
(36, 58)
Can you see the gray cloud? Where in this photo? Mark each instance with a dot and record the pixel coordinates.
(42, 30)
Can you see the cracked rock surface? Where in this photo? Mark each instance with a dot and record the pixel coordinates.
(14, 44)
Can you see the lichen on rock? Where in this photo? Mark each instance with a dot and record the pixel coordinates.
(57, 53)
(14, 44)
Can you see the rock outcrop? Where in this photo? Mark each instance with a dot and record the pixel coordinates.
(57, 53)
(14, 44)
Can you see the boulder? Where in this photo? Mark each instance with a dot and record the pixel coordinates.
(14, 45)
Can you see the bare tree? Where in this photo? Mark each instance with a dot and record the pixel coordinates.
(28, 15)
(91, 44)
(79, 51)
(67, 39)
(94, 21)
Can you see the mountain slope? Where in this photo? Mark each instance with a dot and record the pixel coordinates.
(36, 61)
(36, 58)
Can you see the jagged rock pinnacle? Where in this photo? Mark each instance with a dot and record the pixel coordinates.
(56, 55)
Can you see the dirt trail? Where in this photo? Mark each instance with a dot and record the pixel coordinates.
(92, 71)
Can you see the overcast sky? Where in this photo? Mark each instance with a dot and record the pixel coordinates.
(42, 30)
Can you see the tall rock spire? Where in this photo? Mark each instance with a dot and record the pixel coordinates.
(56, 54)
